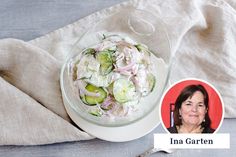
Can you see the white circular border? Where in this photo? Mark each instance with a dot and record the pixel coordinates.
(193, 79)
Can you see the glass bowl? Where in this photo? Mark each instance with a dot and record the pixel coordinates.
(141, 26)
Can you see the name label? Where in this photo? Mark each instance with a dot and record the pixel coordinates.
(203, 141)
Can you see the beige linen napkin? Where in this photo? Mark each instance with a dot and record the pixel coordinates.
(203, 38)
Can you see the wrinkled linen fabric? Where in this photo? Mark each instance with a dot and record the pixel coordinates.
(202, 34)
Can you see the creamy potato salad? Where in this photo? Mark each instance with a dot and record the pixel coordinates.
(111, 77)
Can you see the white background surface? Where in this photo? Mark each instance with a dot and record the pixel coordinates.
(26, 20)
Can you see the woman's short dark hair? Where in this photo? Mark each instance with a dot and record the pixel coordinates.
(187, 92)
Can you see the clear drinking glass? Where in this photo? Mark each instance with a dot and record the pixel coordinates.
(143, 27)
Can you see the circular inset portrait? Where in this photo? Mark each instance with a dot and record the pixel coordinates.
(191, 106)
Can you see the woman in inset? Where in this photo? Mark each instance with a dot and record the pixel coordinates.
(191, 111)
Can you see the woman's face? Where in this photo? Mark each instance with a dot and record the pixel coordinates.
(193, 109)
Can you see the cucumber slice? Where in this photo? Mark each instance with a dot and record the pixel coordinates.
(106, 61)
(143, 48)
(74, 73)
(123, 90)
(92, 100)
(84, 101)
(90, 51)
(96, 113)
(151, 81)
